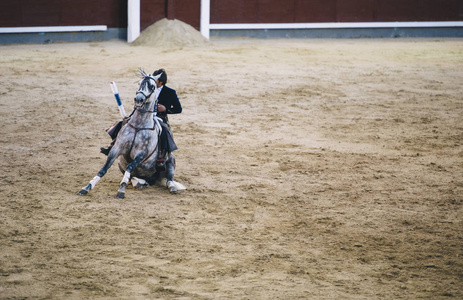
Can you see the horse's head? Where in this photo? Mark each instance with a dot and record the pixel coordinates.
(147, 88)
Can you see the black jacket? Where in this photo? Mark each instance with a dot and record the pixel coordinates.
(168, 98)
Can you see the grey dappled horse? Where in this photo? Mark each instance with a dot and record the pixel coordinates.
(137, 143)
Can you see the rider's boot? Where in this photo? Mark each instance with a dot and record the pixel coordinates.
(105, 151)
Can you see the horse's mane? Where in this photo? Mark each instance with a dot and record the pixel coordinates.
(141, 73)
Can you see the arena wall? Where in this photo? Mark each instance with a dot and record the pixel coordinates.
(336, 18)
(28, 13)
(41, 21)
(313, 11)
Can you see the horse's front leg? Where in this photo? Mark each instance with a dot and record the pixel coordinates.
(126, 178)
(109, 161)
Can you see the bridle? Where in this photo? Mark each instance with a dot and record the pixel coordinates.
(151, 91)
(142, 92)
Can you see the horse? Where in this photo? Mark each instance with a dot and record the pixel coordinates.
(137, 144)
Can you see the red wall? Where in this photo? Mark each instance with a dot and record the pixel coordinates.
(22, 13)
(187, 11)
(113, 13)
(151, 11)
(306, 11)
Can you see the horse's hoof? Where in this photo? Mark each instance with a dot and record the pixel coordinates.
(120, 195)
(82, 192)
(139, 186)
(172, 188)
(173, 191)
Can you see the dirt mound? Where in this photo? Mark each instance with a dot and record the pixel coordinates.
(170, 33)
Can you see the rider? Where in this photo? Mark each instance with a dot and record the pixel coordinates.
(168, 103)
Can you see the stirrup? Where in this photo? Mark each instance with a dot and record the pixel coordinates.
(162, 157)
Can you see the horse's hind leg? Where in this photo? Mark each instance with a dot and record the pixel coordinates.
(170, 170)
(138, 183)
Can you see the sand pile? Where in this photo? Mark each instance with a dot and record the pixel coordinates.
(170, 33)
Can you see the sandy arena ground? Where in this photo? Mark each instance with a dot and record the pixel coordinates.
(316, 169)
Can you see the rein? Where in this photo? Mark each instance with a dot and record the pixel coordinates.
(138, 129)
(144, 111)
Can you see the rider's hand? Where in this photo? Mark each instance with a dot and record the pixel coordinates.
(161, 108)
